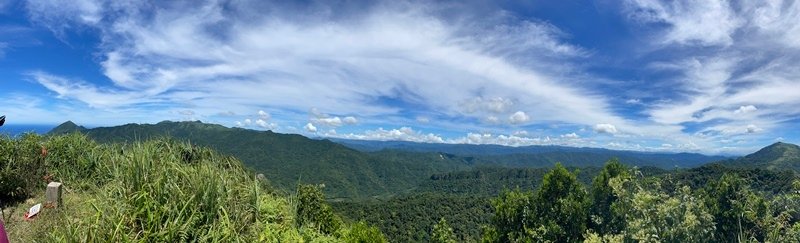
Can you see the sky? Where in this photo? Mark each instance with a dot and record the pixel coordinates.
(713, 77)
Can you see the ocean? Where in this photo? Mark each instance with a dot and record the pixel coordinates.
(14, 130)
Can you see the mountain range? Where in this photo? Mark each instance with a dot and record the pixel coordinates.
(361, 169)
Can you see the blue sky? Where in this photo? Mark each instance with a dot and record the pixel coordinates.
(716, 77)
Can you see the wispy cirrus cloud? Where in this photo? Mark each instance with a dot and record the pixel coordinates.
(714, 72)
(398, 52)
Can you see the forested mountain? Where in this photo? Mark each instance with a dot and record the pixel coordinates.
(778, 156)
(288, 159)
(66, 127)
(539, 156)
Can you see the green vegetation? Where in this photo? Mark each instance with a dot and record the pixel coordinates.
(156, 191)
(644, 211)
(778, 156)
(556, 212)
(411, 218)
(288, 159)
(409, 196)
(442, 233)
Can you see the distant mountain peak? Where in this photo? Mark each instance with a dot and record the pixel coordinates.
(778, 156)
(66, 127)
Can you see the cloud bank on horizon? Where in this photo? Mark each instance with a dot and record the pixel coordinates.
(710, 76)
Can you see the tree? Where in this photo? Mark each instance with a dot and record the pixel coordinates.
(511, 212)
(363, 233)
(561, 206)
(602, 219)
(737, 210)
(312, 211)
(653, 215)
(442, 233)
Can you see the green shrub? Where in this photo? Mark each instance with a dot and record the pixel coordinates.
(363, 233)
(313, 212)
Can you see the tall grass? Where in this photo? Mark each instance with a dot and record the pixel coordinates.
(155, 191)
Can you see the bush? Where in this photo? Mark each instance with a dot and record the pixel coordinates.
(363, 233)
(22, 168)
(313, 212)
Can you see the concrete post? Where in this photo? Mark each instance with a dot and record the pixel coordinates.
(53, 195)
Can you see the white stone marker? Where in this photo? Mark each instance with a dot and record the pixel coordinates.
(53, 194)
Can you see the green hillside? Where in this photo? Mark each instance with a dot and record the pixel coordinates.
(155, 191)
(778, 156)
(289, 159)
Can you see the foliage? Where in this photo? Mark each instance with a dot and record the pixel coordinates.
(162, 191)
(557, 212)
(409, 218)
(655, 216)
(561, 206)
(21, 170)
(759, 179)
(736, 209)
(363, 233)
(602, 219)
(314, 212)
(511, 212)
(442, 233)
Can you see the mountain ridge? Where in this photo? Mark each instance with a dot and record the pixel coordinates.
(288, 159)
(777, 156)
(545, 155)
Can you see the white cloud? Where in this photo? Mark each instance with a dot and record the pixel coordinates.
(605, 128)
(350, 120)
(745, 109)
(753, 128)
(491, 105)
(493, 119)
(206, 55)
(570, 135)
(330, 121)
(518, 117)
(422, 119)
(263, 115)
(264, 124)
(709, 22)
(310, 127)
(633, 101)
(393, 51)
(401, 134)
(247, 122)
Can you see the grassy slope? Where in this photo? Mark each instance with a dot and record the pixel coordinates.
(154, 191)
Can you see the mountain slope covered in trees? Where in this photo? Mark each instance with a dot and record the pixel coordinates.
(778, 156)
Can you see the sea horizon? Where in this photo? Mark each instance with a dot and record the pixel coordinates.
(14, 130)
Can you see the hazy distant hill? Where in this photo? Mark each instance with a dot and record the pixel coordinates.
(539, 156)
(778, 156)
(287, 159)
